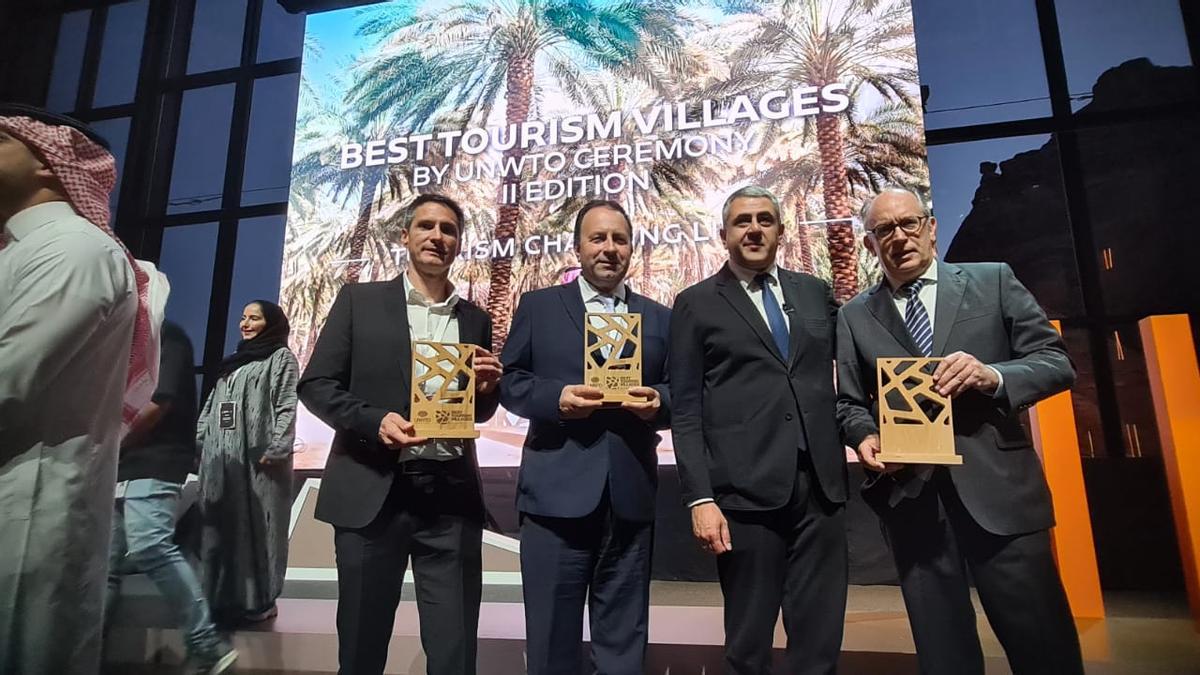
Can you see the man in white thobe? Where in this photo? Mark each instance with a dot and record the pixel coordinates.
(69, 314)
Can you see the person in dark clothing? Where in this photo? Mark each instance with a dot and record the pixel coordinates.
(157, 454)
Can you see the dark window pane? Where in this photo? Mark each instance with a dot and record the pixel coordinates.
(982, 61)
(1100, 35)
(116, 132)
(120, 54)
(217, 28)
(68, 61)
(256, 267)
(269, 147)
(1084, 398)
(1002, 200)
(1140, 180)
(187, 258)
(1139, 432)
(282, 33)
(198, 175)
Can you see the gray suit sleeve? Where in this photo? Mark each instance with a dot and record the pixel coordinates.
(853, 400)
(1039, 366)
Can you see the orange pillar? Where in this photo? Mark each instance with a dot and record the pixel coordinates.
(1057, 441)
(1175, 386)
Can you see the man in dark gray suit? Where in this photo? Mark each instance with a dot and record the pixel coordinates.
(992, 514)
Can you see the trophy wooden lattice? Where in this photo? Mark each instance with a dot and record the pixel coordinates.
(612, 354)
(446, 370)
(916, 423)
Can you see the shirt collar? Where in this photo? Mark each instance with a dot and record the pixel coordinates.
(747, 275)
(590, 292)
(25, 222)
(929, 276)
(414, 296)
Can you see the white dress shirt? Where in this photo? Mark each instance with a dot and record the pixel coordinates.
(746, 277)
(67, 304)
(434, 322)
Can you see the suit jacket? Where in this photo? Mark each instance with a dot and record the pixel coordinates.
(567, 464)
(983, 310)
(741, 412)
(360, 370)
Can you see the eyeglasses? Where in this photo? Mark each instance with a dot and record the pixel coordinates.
(911, 226)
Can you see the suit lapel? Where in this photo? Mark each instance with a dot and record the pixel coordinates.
(731, 289)
(636, 304)
(791, 299)
(396, 307)
(950, 289)
(884, 309)
(573, 303)
(470, 324)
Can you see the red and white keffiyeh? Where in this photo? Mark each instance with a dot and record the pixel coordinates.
(88, 173)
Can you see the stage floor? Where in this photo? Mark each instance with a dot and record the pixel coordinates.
(1144, 634)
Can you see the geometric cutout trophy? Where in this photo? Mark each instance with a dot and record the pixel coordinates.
(916, 425)
(612, 354)
(443, 389)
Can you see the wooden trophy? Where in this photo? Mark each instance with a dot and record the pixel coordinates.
(916, 425)
(443, 389)
(612, 354)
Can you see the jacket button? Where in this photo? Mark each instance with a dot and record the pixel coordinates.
(788, 417)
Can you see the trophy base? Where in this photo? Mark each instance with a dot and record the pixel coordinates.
(919, 458)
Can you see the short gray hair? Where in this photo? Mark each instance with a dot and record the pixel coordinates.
(750, 191)
(893, 189)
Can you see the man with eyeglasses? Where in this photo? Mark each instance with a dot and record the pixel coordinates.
(992, 514)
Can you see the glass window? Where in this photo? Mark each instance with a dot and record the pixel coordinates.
(269, 146)
(1139, 181)
(198, 174)
(1002, 200)
(256, 267)
(1084, 398)
(1139, 431)
(982, 61)
(188, 252)
(120, 54)
(217, 28)
(1101, 37)
(282, 33)
(116, 132)
(68, 61)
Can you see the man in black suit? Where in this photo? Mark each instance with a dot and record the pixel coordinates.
(756, 442)
(588, 471)
(992, 514)
(389, 493)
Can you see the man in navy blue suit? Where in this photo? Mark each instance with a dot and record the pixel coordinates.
(588, 470)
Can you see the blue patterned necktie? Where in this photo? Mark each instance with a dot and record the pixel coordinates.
(775, 319)
(916, 319)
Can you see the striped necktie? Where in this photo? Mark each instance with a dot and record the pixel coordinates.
(916, 319)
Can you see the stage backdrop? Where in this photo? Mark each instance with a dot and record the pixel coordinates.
(523, 110)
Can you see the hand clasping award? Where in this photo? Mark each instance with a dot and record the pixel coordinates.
(612, 354)
(916, 425)
(443, 389)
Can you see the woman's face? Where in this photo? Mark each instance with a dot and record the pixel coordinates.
(253, 321)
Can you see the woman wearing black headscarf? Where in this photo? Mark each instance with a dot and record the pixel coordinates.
(245, 433)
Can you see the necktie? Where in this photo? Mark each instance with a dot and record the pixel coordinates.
(775, 320)
(916, 319)
(610, 306)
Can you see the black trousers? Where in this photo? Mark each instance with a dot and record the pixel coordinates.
(598, 559)
(795, 558)
(436, 518)
(935, 542)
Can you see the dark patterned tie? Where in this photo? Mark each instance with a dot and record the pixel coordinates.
(916, 319)
(775, 319)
